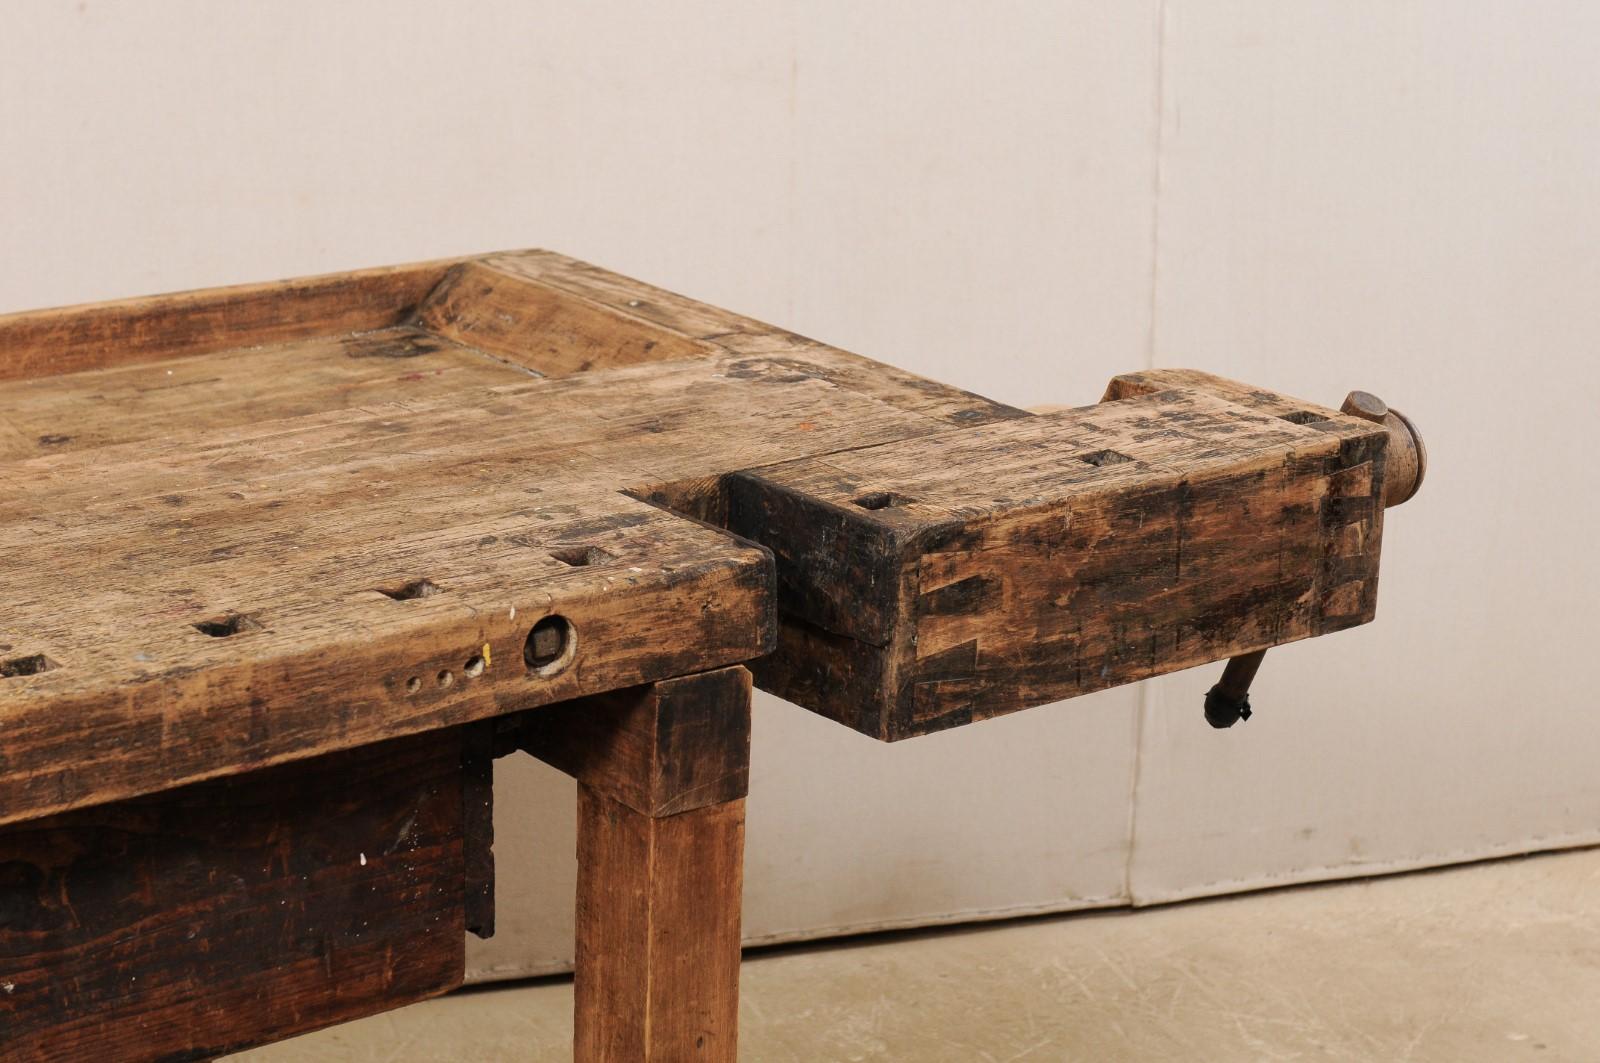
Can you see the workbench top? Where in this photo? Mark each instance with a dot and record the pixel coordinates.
(252, 525)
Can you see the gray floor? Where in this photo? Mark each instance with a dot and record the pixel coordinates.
(1495, 961)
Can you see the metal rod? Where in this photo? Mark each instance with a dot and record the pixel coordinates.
(1229, 701)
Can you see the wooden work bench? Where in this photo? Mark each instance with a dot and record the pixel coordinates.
(286, 566)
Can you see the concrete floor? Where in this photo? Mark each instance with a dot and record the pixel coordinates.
(1495, 961)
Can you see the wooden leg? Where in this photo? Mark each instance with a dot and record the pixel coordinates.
(662, 773)
(658, 932)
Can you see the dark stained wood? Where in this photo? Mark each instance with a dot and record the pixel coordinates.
(933, 582)
(477, 825)
(203, 920)
(660, 749)
(547, 330)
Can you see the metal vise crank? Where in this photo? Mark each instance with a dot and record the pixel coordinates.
(1404, 467)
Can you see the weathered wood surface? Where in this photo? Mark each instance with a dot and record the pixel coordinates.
(331, 512)
(191, 923)
(657, 968)
(173, 664)
(536, 325)
(661, 749)
(515, 498)
(147, 400)
(477, 825)
(662, 773)
(200, 577)
(51, 342)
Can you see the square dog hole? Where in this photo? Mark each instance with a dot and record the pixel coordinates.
(1303, 417)
(32, 664)
(223, 627)
(580, 556)
(881, 500)
(421, 588)
(1105, 457)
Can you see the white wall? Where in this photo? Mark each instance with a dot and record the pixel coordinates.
(1020, 198)
(1402, 197)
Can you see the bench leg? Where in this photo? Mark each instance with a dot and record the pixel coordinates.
(662, 772)
(658, 932)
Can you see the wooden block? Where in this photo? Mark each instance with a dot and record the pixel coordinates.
(552, 332)
(932, 582)
(660, 749)
(217, 916)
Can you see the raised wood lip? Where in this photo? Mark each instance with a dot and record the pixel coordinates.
(132, 329)
(133, 304)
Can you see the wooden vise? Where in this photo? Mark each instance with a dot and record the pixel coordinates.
(928, 583)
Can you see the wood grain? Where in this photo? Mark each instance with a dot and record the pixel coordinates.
(662, 772)
(206, 543)
(760, 348)
(329, 542)
(546, 329)
(657, 973)
(669, 747)
(149, 400)
(51, 342)
(929, 583)
(227, 577)
(142, 698)
(192, 923)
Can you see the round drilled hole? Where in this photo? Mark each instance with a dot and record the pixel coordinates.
(551, 645)
(445, 679)
(413, 684)
(473, 667)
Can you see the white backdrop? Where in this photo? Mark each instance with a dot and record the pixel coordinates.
(1023, 199)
